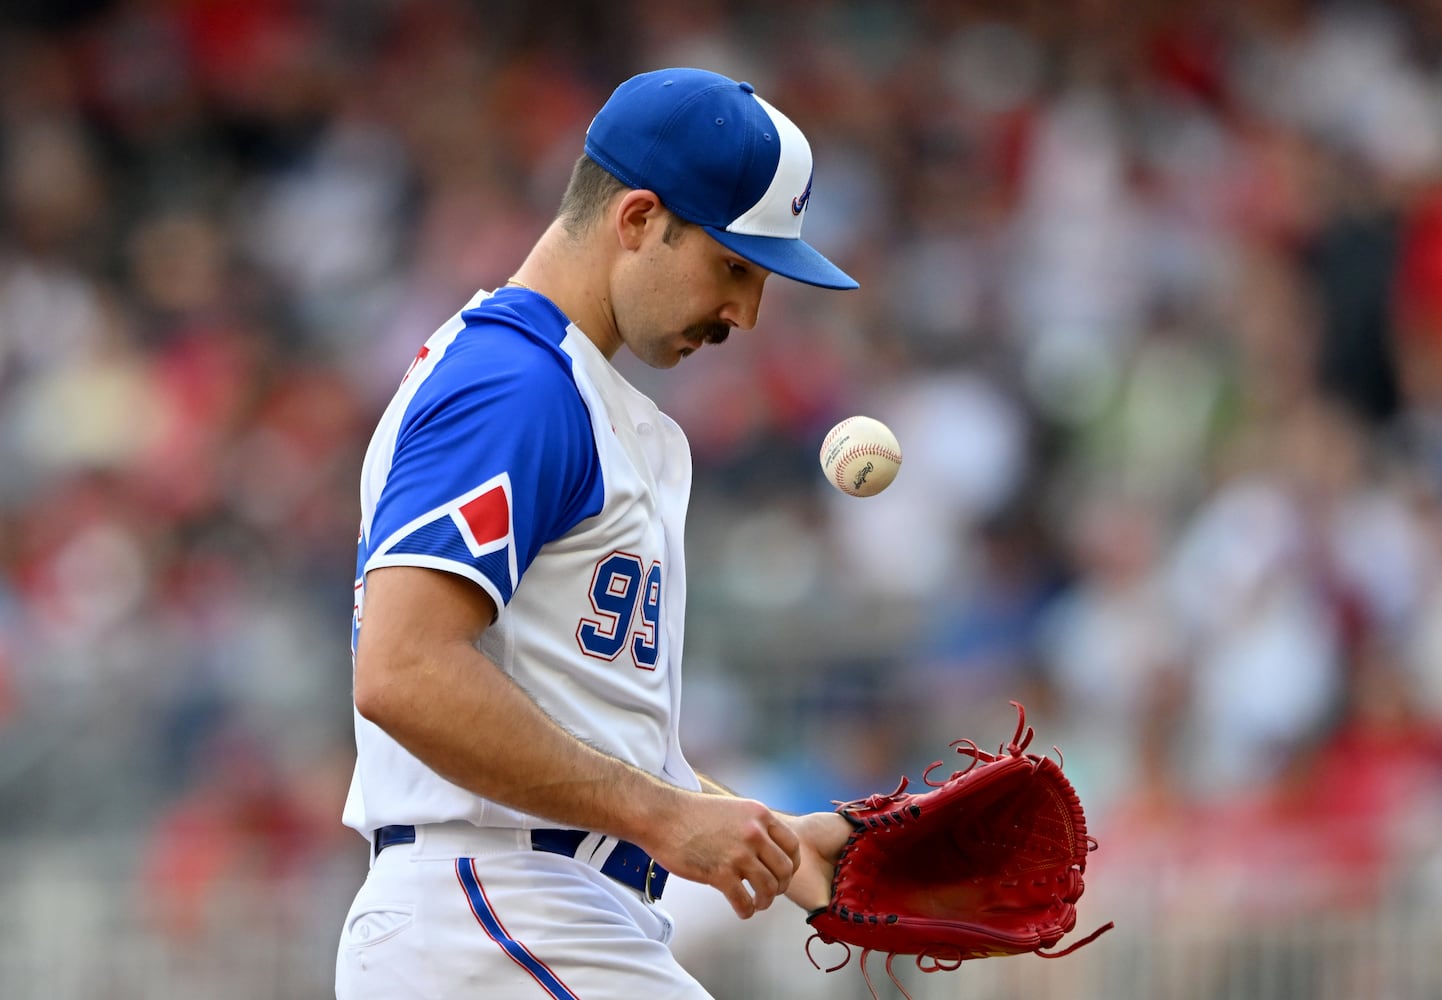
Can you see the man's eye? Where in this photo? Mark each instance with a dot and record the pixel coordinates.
(736, 269)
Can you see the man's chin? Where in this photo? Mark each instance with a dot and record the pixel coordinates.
(664, 361)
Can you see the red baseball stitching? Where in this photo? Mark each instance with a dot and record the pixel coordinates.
(859, 450)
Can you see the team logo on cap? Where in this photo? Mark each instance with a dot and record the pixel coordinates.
(798, 204)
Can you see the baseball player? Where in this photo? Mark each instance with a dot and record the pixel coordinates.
(520, 585)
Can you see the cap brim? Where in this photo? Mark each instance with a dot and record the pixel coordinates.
(794, 259)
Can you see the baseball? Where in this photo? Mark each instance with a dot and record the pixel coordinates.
(860, 456)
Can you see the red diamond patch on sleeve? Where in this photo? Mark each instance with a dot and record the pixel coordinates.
(487, 517)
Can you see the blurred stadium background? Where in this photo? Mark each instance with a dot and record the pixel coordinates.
(1152, 295)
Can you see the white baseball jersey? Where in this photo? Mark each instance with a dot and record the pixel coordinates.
(515, 455)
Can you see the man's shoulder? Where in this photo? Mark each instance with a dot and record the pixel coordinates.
(502, 342)
(520, 315)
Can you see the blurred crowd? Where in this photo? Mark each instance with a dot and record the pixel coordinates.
(1151, 295)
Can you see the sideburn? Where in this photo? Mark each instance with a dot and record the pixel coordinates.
(671, 235)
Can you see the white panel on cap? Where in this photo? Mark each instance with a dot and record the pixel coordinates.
(772, 215)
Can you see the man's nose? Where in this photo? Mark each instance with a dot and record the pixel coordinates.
(742, 312)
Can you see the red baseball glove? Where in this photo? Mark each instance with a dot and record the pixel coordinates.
(988, 862)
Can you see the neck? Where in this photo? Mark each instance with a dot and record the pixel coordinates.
(575, 277)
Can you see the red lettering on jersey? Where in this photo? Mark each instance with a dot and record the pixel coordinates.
(420, 356)
(488, 517)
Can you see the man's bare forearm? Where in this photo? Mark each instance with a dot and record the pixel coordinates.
(711, 786)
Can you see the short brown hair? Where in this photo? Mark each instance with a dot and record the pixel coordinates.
(591, 188)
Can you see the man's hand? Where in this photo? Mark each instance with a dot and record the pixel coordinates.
(822, 835)
(736, 845)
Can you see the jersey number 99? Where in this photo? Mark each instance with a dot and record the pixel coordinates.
(626, 595)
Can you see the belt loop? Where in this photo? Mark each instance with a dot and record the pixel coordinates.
(388, 836)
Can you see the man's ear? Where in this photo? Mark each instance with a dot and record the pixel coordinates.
(636, 211)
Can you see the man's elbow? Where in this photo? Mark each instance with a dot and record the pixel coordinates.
(376, 692)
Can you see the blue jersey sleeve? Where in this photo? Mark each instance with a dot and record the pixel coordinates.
(494, 457)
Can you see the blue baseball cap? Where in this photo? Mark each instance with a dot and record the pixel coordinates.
(720, 157)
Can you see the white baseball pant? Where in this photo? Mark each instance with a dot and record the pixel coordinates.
(476, 913)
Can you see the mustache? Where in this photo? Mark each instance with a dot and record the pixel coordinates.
(707, 333)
